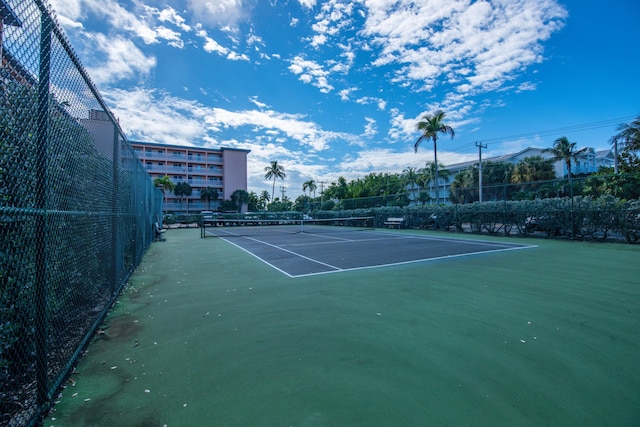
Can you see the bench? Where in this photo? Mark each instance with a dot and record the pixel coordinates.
(394, 222)
(158, 231)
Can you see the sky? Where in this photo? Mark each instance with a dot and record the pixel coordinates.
(335, 88)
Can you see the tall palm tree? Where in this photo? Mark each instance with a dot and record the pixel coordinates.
(274, 171)
(431, 126)
(565, 150)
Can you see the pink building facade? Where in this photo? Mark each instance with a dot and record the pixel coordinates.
(224, 169)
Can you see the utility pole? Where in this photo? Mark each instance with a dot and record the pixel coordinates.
(321, 193)
(480, 147)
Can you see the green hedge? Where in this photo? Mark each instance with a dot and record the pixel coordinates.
(584, 217)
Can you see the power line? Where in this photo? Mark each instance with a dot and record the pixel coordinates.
(574, 128)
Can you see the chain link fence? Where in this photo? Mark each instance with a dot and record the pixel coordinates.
(77, 210)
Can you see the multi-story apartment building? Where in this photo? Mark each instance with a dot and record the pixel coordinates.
(224, 169)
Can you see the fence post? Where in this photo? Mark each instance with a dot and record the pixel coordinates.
(115, 241)
(41, 208)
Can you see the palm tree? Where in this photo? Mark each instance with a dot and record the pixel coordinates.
(274, 171)
(628, 138)
(532, 169)
(565, 150)
(208, 194)
(428, 173)
(410, 179)
(431, 126)
(239, 197)
(183, 189)
(164, 184)
(311, 186)
(264, 199)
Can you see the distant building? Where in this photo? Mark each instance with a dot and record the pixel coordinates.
(224, 169)
(588, 162)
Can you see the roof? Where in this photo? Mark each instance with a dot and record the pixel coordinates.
(187, 147)
(512, 156)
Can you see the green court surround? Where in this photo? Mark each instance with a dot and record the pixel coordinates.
(207, 335)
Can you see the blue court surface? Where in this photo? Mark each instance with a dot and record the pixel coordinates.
(307, 253)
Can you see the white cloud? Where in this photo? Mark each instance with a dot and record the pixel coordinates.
(307, 3)
(334, 16)
(69, 23)
(147, 115)
(172, 37)
(254, 100)
(370, 128)
(234, 56)
(527, 86)
(481, 44)
(123, 60)
(345, 94)
(366, 100)
(211, 45)
(141, 25)
(155, 116)
(168, 14)
(220, 12)
(310, 72)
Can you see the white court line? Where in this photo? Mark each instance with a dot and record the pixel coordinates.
(510, 247)
(284, 250)
(410, 262)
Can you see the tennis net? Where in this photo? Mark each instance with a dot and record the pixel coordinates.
(262, 227)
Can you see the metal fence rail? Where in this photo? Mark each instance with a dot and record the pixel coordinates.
(76, 209)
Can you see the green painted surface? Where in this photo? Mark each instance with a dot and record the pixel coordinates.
(207, 335)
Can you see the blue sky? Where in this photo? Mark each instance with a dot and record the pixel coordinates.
(335, 88)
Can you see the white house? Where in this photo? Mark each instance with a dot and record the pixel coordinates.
(587, 162)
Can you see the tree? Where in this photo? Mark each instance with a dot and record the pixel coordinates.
(431, 126)
(208, 194)
(309, 185)
(627, 138)
(428, 174)
(253, 203)
(164, 184)
(183, 189)
(464, 188)
(274, 171)
(532, 169)
(239, 197)
(565, 150)
(411, 179)
(495, 177)
(263, 200)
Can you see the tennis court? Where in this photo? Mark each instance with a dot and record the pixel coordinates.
(299, 251)
(208, 334)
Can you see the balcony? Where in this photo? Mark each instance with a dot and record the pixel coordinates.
(153, 155)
